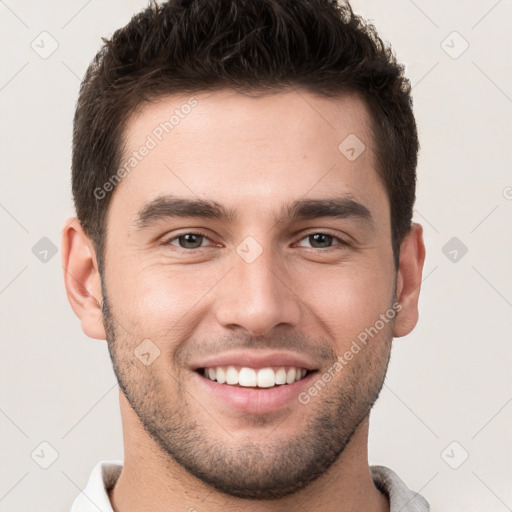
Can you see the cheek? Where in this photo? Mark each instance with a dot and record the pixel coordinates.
(159, 301)
(349, 300)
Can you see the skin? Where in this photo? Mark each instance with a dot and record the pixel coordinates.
(184, 450)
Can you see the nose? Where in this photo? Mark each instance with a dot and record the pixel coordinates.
(257, 296)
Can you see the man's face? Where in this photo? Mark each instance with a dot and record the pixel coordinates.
(267, 286)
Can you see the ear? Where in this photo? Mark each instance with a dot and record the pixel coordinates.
(412, 257)
(82, 279)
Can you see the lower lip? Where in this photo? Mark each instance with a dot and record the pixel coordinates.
(256, 401)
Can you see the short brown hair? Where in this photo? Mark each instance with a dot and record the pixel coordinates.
(187, 46)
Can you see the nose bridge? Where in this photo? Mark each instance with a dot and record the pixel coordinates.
(255, 296)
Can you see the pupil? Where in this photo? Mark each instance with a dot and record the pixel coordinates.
(321, 238)
(191, 241)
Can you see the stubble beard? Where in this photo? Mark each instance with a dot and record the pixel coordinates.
(266, 470)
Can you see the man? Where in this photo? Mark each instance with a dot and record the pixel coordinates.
(244, 178)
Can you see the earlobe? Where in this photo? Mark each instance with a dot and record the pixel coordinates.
(412, 258)
(82, 279)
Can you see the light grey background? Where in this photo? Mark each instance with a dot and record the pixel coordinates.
(448, 390)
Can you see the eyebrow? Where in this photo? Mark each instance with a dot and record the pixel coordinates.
(166, 207)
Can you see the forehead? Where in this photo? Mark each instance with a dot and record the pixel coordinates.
(249, 152)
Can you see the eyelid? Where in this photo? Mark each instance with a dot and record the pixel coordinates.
(324, 232)
(200, 232)
(193, 231)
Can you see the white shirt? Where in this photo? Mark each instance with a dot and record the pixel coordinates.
(94, 498)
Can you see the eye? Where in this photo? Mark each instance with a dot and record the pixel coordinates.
(190, 240)
(197, 240)
(320, 240)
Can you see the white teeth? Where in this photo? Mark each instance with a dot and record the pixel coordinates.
(231, 375)
(266, 378)
(290, 376)
(221, 375)
(250, 377)
(281, 376)
(247, 377)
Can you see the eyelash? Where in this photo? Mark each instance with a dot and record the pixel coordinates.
(342, 243)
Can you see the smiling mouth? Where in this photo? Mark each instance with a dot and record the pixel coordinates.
(243, 376)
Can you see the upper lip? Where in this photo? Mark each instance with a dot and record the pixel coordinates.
(256, 359)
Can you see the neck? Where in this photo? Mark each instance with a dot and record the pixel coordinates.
(152, 480)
